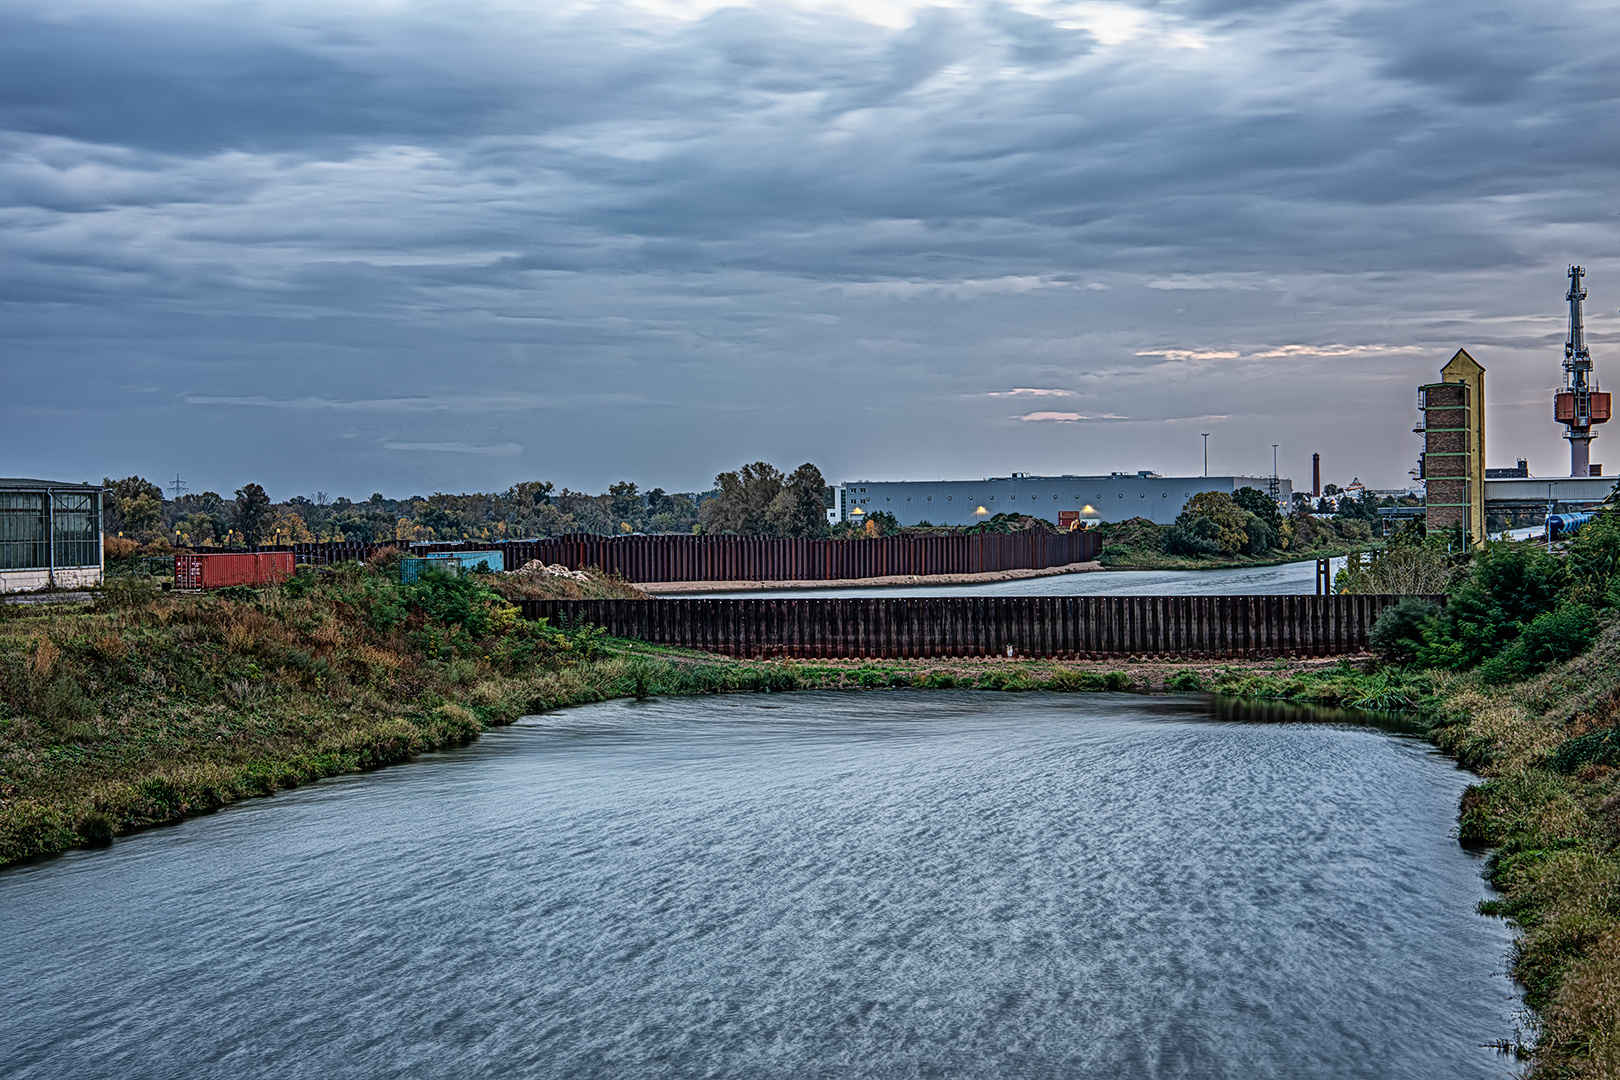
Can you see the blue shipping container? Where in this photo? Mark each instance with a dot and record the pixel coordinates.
(470, 560)
(411, 569)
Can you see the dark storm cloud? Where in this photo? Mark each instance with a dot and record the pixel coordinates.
(460, 245)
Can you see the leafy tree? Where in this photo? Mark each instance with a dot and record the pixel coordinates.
(799, 509)
(1261, 536)
(1224, 516)
(625, 503)
(744, 501)
(1261, 505)
(1354, 528)
(289, 527)
(1362, 509)
(881, 523)
(252, 514)
(1195, 538)
(199, 528)
(133, 505)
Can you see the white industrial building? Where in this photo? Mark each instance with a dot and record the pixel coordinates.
(50, 535)
(1062, 500)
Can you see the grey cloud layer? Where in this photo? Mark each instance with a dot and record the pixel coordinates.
(273, 243)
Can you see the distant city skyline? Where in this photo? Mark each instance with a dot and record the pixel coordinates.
(435, 247)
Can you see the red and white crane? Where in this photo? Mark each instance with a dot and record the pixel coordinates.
(1579, 404)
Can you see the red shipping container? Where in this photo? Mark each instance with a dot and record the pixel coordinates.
(234, 568)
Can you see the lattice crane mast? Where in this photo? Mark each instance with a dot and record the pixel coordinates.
(1579, 404)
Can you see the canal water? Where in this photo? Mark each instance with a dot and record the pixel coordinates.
(886, 884)
(1295, 579)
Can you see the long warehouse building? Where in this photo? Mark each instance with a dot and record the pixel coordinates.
(1062, 500)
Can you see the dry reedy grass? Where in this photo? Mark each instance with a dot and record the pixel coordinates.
(1558, 859)
(517, 586)
(1581, 1026)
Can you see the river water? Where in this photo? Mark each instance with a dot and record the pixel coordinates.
(885, 884)
(1288, 579)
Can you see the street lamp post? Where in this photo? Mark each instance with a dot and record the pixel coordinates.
(1205, 434)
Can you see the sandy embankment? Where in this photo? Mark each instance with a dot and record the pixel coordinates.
(682, 588)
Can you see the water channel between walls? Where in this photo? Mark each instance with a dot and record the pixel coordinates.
(917, 884)
(1284, 579)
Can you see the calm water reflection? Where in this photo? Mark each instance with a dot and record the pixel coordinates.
(1297, 578)
(893, 884)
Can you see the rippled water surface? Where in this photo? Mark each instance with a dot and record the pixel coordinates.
(891, 884)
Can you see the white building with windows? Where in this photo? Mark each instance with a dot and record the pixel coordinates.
(1062, 500)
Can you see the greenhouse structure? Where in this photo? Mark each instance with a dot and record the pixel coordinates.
(50, 535)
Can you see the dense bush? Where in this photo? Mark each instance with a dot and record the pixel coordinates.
(1216, 517)
(1397, 634)
(1550, 638)
(1600, 747)
(1594, 563)
(1354, 529)
(1507, 587)
(1196, 538)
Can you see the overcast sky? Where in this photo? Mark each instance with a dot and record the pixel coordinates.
(408, 247)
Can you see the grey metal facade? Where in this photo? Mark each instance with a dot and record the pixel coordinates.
(1116, 497)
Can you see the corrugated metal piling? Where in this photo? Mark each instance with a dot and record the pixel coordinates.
(652, 559)
(1082, 627)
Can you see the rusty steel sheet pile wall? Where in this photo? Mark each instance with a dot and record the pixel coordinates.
(1044, 626)
(654, 559)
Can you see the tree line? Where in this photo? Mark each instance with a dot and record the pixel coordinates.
(755, 500)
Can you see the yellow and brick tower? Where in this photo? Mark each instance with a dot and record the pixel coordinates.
(1454, 447)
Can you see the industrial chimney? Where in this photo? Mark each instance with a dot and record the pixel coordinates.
(1316, 476)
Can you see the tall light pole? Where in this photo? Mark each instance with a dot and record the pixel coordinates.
(1205, 434)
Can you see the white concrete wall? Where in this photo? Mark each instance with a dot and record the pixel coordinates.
(77, 577)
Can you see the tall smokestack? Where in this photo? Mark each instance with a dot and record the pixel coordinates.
(1316, 476)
